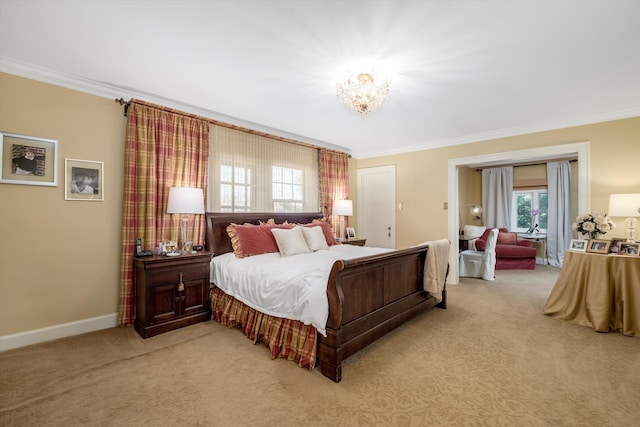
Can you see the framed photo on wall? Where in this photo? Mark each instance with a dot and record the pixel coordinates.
(598, 246)
(578, 245)
(28, 160)
(83, 180)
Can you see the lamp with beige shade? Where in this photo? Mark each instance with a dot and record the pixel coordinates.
(626, 205)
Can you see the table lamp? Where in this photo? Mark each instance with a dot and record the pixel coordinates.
(185, 201)
(342, 208)
(626, 205)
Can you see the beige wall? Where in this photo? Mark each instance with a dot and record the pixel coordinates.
(469, 194)
(59, 260)
(422, 176)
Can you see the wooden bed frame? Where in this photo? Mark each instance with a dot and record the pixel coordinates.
(368, 297)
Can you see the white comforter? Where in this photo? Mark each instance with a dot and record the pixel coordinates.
(293, 287)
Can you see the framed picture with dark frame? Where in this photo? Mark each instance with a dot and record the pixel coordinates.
(598, 246)
(613, 248)
(83, 180)
(578, 245)
(28, 160)
(629, 249)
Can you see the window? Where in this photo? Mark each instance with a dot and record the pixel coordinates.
(235, 189)
(252, 173)
(524, 202)
(286, 189)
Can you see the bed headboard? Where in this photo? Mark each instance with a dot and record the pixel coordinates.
(218, 241)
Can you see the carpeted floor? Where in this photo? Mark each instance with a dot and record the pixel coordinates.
(491, 359)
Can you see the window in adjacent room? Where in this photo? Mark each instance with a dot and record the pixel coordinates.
(524, 203)
(529, 195)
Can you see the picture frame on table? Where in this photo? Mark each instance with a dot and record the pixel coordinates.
(628, 249)
(598, 246)
(613, 248)
(351, 233)
(28, 160)
(578, 245)
(83, 180)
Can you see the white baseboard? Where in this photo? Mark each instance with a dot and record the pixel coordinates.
(9, 342)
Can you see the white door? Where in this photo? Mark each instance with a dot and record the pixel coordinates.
(376, 206)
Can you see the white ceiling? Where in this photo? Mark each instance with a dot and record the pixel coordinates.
(460, 71)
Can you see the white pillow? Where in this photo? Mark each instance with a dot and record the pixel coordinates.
(290, 241)
(314, 236)
(473, 231)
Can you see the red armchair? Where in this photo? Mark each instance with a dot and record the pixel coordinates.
(512, 253)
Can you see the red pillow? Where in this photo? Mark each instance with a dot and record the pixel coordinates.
(481, 242)
(248, 240)
(505, 238)
(326, 230)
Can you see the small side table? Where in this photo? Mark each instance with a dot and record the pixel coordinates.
(171, 292)
(355, 242)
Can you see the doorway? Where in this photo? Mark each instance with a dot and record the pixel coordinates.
(580, 150)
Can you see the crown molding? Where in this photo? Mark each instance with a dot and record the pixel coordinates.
(510, 132)
(106, 90)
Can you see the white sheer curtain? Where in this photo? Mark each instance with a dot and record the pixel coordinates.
(559, 231)
(249, 172)
(497, 190)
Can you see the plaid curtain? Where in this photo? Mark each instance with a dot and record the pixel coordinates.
(163, 149)
(334, 182)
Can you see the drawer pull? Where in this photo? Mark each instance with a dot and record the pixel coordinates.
(180, 285)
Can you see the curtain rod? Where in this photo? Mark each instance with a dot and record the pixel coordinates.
(126, 104)
(520, 165)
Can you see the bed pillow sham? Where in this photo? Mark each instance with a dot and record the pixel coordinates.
(291, 241)
(326, 230)
(248, 240)
(314, 236)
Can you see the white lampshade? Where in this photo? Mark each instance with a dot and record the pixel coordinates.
(185, 200)
(343, 207)
(624, 205)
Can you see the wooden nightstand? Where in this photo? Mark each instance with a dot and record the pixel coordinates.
(171, 292)
(355, 242)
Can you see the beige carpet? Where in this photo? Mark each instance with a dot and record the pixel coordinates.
(491, 359)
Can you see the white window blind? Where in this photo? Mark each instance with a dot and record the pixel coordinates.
(253, 173)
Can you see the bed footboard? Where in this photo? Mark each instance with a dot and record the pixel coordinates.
(369, 297)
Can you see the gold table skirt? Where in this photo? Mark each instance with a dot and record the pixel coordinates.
(600, 291)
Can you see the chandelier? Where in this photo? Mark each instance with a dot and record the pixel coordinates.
(361, 94)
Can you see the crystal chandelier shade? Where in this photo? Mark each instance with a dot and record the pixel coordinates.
(361, 94)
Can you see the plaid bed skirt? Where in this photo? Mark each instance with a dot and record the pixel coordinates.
(290, 339)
